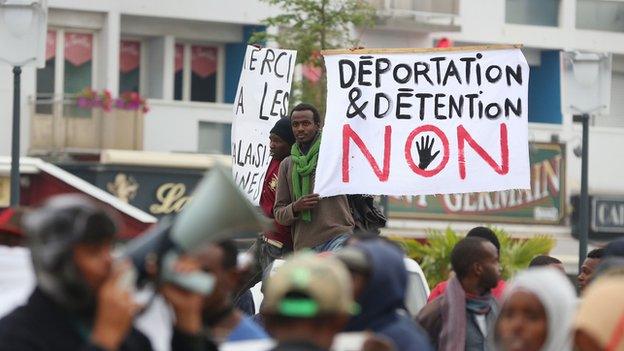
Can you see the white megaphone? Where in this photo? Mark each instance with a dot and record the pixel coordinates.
(218, 210)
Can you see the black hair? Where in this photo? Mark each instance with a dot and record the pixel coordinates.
(230, 253)
(466, 253)
(543, 260)
(307, 107)
(485, 233)
(596, 253)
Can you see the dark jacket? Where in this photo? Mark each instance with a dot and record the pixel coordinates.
(382, 300)
(42, 325)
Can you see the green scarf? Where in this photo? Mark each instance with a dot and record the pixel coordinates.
(303, 166)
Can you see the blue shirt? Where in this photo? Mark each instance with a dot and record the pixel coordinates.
(247, 329)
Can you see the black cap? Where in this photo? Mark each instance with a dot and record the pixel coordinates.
(283, 130)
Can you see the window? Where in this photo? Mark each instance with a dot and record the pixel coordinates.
(78, 64)
(129, 66)
(214, 138)
(532, 12)
(45, 76)
(69, 68)
(178, 72)
(196, 73)
(600, 15)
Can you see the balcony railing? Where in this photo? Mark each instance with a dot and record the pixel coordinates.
(429, 14)
(600, 15)
(57, 124)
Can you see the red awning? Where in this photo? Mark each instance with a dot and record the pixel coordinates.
(204, 60)
(179, 57)
(129, 55)
(51, 45)
(78, 48)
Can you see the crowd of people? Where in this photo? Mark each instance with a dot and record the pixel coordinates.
(334, 280)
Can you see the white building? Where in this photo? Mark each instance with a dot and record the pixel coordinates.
(185, 57)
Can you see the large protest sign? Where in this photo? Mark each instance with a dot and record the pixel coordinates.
(261, 99)
(418, 123)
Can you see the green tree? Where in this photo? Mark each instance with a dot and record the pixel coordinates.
(434, 255)
(310, 26)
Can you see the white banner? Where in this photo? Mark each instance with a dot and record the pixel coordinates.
(261, 99)
(425, 123)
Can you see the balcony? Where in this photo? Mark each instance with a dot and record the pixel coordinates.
(418, 15)
(58, 125)
(600, 15)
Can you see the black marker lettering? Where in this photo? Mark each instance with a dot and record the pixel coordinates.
(341, 69)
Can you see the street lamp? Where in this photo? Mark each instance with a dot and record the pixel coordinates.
(23, 26)
(586, 92)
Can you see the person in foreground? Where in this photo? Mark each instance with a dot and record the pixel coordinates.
(599, 323)
(380, 284)
(461, 318)
(536, 313)
(79, 302)
(307, 302)
(215, 314)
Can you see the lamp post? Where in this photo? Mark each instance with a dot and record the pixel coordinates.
(587, 92)
(23, 25)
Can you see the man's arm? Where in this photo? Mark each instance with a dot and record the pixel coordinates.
(283, 208)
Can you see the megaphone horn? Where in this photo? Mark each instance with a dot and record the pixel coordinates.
(217, 211)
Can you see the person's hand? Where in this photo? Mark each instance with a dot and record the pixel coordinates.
(305, 202)
(424, 152)
(115, 311)
(186, 305)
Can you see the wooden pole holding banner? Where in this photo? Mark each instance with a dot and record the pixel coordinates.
(419, 50)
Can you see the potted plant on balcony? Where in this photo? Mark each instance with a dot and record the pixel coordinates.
(110, 123)
(90, 98)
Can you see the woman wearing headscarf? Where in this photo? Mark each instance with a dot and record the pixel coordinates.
(537, 312)
(599, 323)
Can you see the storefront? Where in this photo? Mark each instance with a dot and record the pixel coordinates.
(606, 217)
(40, 180)
(543, 204)
(159, 184)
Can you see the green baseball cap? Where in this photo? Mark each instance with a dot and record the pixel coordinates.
(307, 285)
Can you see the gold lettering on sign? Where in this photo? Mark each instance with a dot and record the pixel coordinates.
(170, 198)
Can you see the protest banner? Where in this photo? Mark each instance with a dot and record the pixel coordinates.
(261, 99)
(419, 122)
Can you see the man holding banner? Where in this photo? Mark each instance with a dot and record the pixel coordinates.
(322, 224)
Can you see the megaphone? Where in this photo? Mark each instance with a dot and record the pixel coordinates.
(217, 211)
